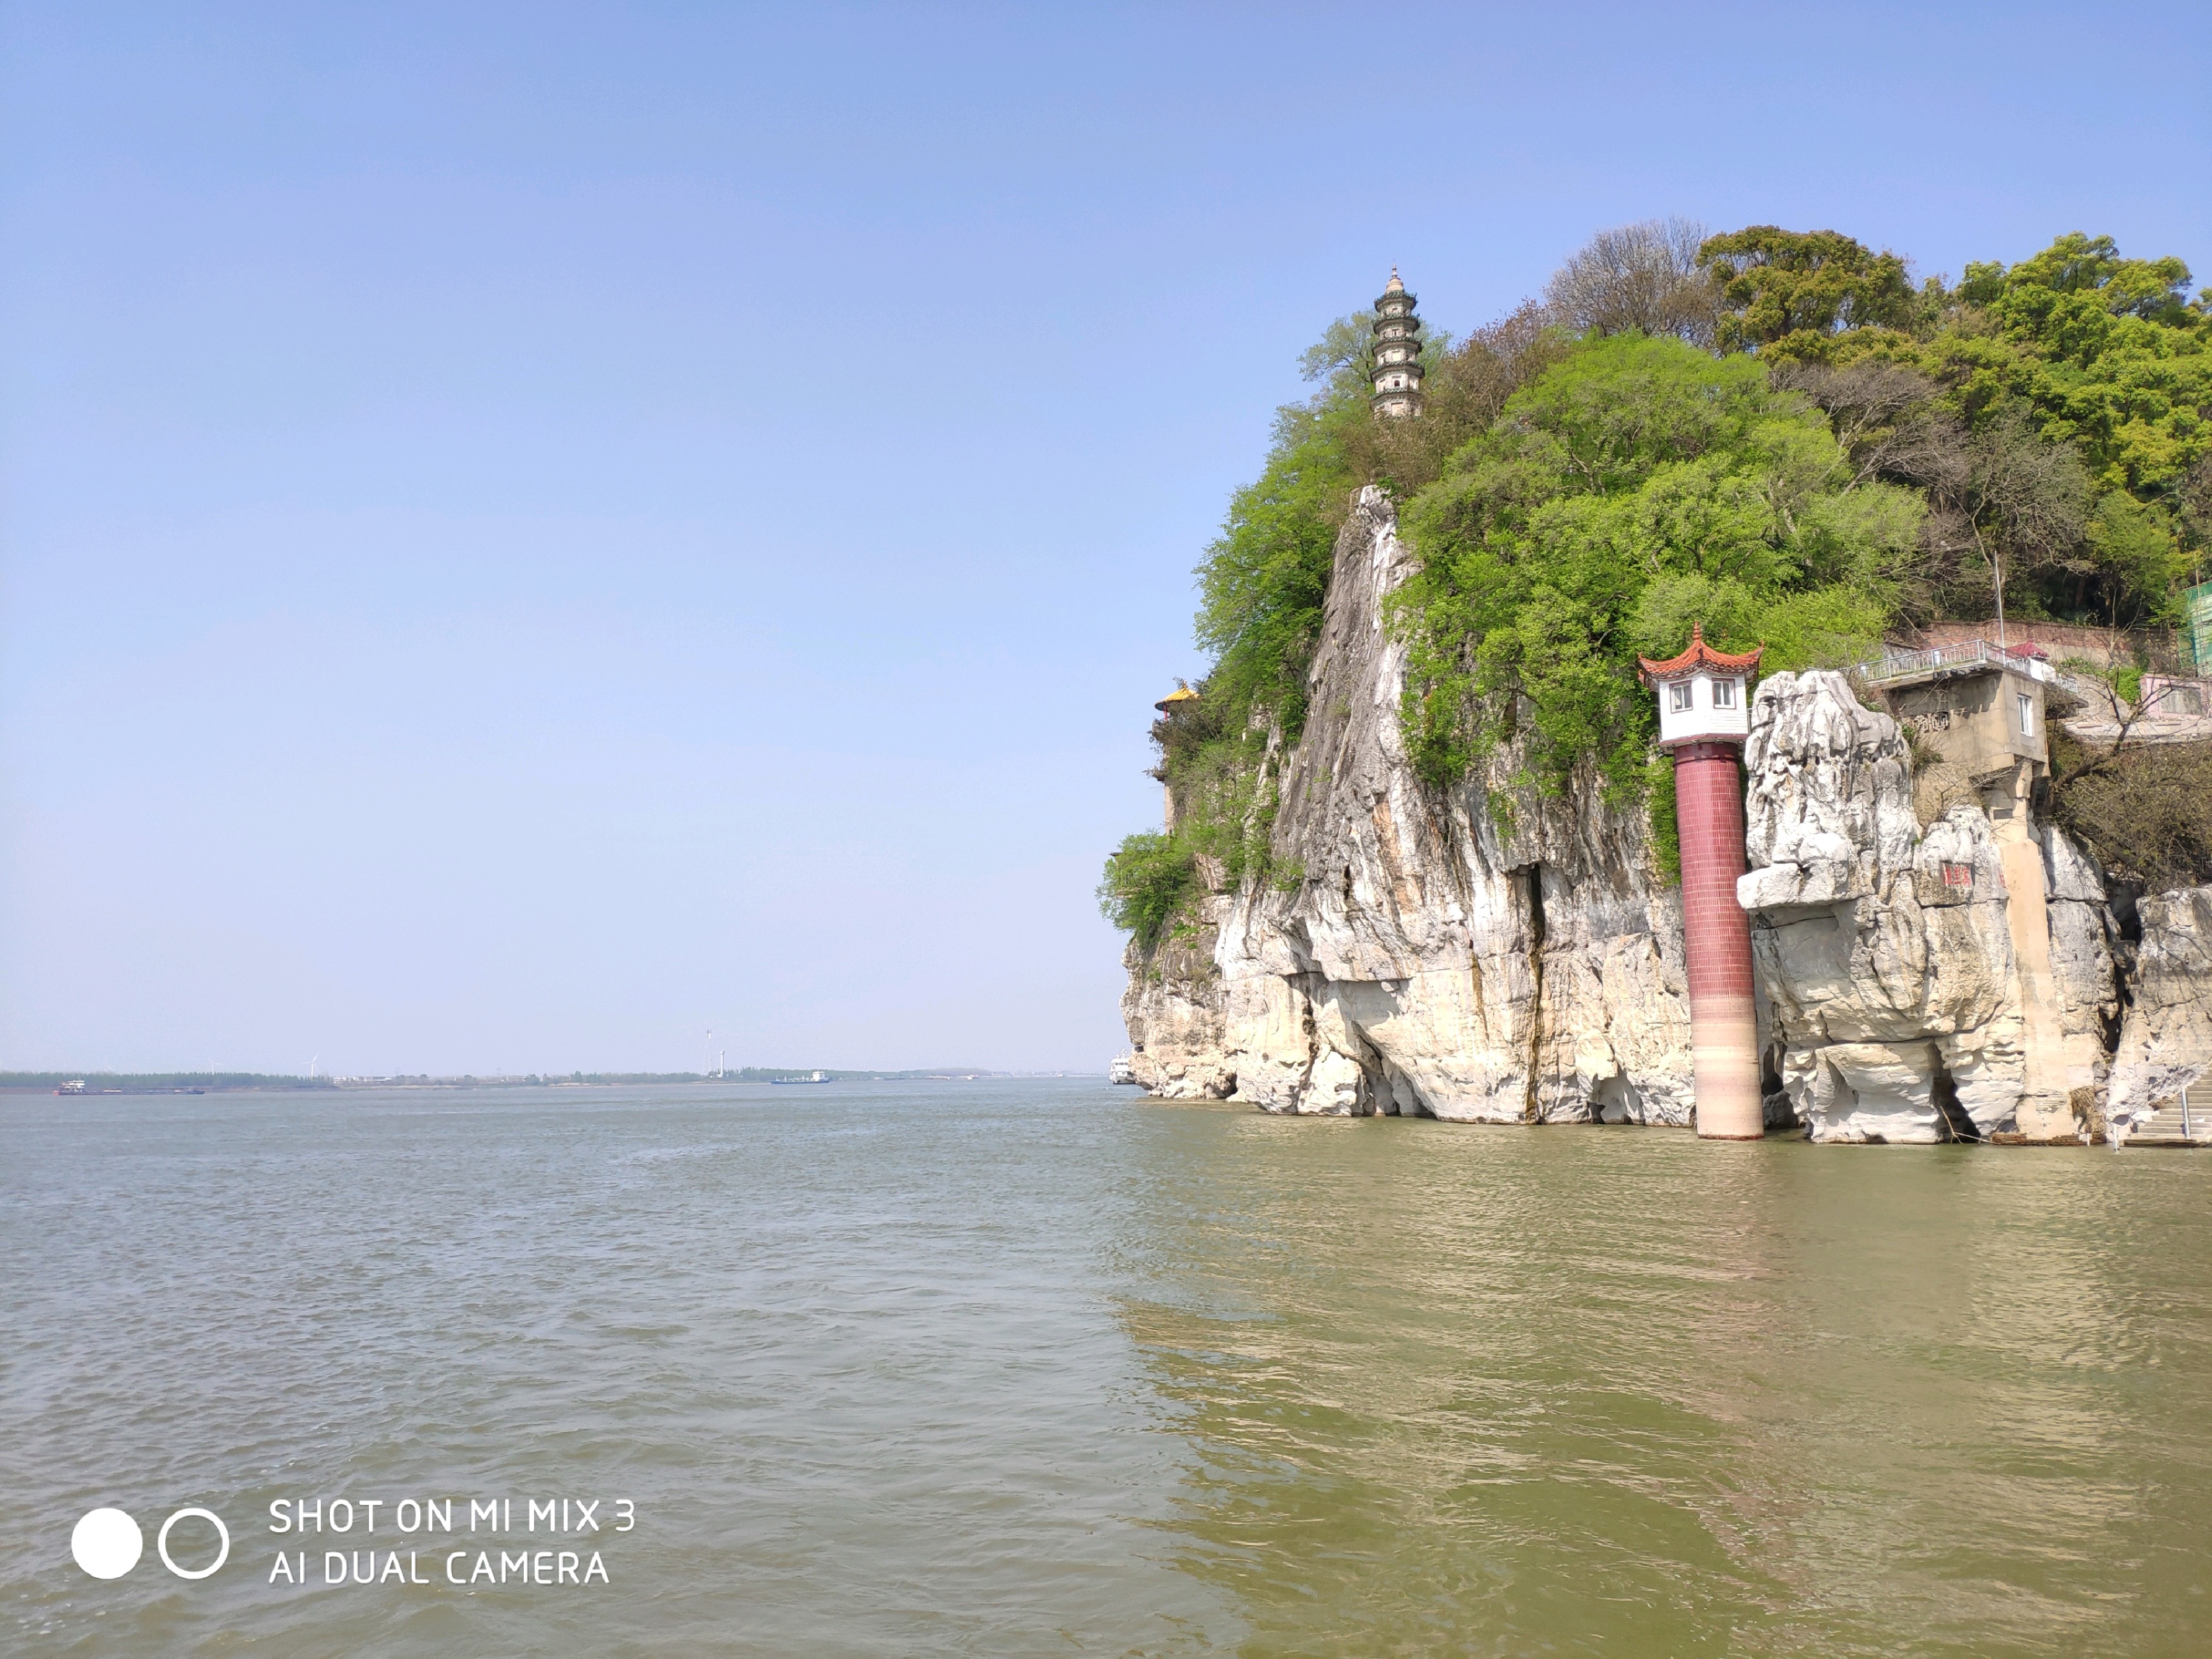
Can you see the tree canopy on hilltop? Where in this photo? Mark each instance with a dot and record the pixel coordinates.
(1771, 431)
(1776, 284)
(2058, 416)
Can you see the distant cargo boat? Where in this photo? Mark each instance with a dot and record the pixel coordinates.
(819, 1077)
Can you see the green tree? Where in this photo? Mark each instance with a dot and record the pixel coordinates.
(1780, 285)
(2139, 564)
(2104, 350)
(1265, 578)
(2077, 264)
(1149, 880)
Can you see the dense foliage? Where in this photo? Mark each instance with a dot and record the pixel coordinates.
(1776, 285)
(1773, 432)
(1148, 881)
(2057, 414)
(1265, 579)
(1634, 487)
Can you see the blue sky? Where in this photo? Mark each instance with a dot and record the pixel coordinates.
(528, 531)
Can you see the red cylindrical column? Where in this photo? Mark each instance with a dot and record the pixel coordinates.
(1723, 1027)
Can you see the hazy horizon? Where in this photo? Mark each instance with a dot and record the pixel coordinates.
(526, 533)
(866, 1073)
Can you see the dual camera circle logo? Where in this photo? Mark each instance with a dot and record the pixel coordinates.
(108, 1543)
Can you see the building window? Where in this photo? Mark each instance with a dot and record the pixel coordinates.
(1724, 694)
(1678, 696)
(2026, 715)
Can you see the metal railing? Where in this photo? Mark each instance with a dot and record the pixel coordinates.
(1895, 664)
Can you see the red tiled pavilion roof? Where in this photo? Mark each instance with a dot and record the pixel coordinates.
(1700, 655)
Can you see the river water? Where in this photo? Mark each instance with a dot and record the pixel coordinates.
(1015, 1368)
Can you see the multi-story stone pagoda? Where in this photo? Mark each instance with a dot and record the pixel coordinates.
(1397, 351)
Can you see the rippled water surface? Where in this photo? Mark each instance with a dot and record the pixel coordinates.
(1043, 1368)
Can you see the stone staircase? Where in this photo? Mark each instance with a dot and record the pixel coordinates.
(2187, 1122)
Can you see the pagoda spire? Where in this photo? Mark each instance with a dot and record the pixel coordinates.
(1397, 352)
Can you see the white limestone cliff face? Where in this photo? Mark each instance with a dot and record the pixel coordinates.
(1172, 1007)
(1882, 953)
(1427, 963)
(2165, 1039)
(2085, 953)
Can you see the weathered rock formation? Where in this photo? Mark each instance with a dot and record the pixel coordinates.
(1425, 961)
(1412, 953)
(2166, 1040)
(1900, 1005)
(1173, 1010)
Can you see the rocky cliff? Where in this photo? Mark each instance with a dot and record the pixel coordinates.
(1419, 953)
(1424, 960)
(1898, 1007)
(2165, 1039)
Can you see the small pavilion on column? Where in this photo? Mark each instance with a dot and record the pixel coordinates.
(1705, 716)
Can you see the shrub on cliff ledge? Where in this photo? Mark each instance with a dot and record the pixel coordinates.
(1149, 880)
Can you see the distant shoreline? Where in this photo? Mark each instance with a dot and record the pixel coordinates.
(169, 1083)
